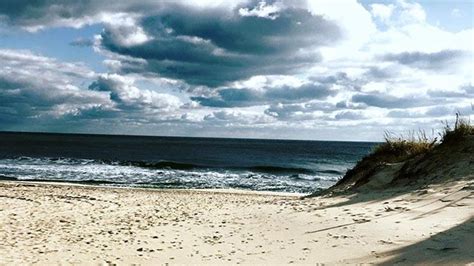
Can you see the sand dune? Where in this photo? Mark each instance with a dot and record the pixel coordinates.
(52, 223)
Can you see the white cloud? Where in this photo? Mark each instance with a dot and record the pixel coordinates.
(381, 11)
(124, 92)
(456, 13)
(124, 29)
(262, 10)
(355, 21)
(236, 118)
(411, 12)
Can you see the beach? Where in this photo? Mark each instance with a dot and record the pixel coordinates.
(52, 223)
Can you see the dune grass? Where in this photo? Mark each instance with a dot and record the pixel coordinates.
(462, 127)
(396, 149)
(400, 149)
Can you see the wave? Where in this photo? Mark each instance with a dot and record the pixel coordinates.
(46, 180)
(8, 178)
(278, 169)
(332, 172)
(166, 174)
(162, 165)
(271, 169)
(174, 165)
(314, 178)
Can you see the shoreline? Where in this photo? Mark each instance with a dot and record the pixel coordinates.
(205, 190)
(79, 224)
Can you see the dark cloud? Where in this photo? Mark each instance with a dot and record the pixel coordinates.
(231, 97)
(202, 46)
(388, 101)
(468, 89)
(437, 60)
(343, 80)
(464, 91)
(449, 110)
(38, 13)
(431, 112)
(290, 112)
(211, 47)
(39, 92)
(233, 118)
(37, 84)
(446, 94)
(381, 73)
(126, 96)
(82, 42)
(350, 105)
(310, 111)
(299, 111)
(24, 100)
(405, 114)
(224, 116)
(301, 93)
(349, 115)
(42, 13)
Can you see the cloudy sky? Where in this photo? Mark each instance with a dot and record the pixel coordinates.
(331, 70)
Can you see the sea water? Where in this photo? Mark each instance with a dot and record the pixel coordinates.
(178, 162)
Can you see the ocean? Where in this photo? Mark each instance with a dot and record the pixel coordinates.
(178, 162)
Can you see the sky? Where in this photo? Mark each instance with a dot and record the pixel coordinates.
(321, 70)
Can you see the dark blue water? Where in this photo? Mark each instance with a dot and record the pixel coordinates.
(175, 162)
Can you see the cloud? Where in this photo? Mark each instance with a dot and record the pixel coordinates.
(298, 111)
(433, 112)
(37, 87)
(33, 16)
(449, 110)
(468, 89)
(203, 44)
(382, 100)
(462, 95)
(232, 97)
(456, 13)
(235, 118)
(349, 115)
(122, 91)
(82, 42)
(39, 90)
(381, 11)
(405, 114)
(30, 64)
(400, 12)
(437, 60)
(210, 47)
(411, 12)
(262, 10)
(447, 94)
(381, 73)
(77, 13)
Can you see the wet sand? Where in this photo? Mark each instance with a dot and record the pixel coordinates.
(71, 224)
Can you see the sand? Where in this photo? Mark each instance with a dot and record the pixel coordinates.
(70, 224)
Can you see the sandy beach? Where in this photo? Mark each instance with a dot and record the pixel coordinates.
(44, 223)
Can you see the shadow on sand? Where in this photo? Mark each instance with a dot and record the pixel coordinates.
(453, 246)
(382, 195)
